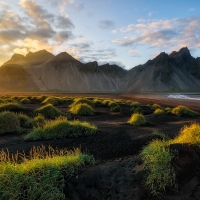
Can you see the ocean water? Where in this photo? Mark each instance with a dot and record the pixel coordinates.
(191, 96)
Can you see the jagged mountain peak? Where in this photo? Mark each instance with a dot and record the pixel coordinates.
(17, 56)
(64, 56)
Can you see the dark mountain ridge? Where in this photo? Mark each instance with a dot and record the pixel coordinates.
(178, 71)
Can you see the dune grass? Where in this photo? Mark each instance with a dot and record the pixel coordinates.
(50, 112)
(82, 109)
(25, 101)
(42, 176)
(137, 119)
(189, 134)
(115, 108)
(12, 106)
(157, 158)
(160, 174)
(181, 110)
(9, 122)
(81, 101)
(159, 111)
(155, 106)
(39, 120)
(25, 121)
(61, 128)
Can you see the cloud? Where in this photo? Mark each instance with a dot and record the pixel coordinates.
(22, 51)
(64, 22)
(191, 9)
(166, 34)
(106, 24)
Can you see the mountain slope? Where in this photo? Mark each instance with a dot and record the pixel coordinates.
(174, 72)
(178, 71)
(64, 73)
(14, 78)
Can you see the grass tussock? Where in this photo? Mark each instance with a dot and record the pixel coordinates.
(42, 176)
(25, 121)
(9, 122)
(189, 134)
(50, 112)
(39, 120)
(12, 106)
(183, 110)
(61, 128)
(82, 109)
(82, 101)
(160, 174)
(159, 111)
(137, 119)
(155, 106)
(25, 101)
(115, 108)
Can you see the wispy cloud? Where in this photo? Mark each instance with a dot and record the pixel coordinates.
(191, 9)
(163, 33)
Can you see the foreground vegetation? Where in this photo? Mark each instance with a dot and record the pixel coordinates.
(42, 176)
(61, 128)
(157, 158)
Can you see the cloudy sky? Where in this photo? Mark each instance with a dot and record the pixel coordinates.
(125, 32)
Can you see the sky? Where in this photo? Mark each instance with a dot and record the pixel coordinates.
(122, 32)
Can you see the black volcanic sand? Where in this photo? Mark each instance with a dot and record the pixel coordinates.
(117, 172)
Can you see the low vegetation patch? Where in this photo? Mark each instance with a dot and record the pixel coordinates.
(25, 101)
(190, 134)
(158, 111)
(50, 100)
(61, 128)
(115, 108)
(25, 121)
(42, 176)
(39, 120)
(137, 119)
(50, 112)
(160, 174)
(155, 106)
(181, 110)
(82, 109)
(11, 107)
(137, 110)
(9, 122)
(81, 101)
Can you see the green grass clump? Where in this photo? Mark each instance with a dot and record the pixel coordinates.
(61, 128)
(9, 123)
(168, 110)
(181, 110)
(49, 112)
(50, 100)
(158, 111)
(40, 98)
(25, 121)
(97, 101)
(134, 104)
(105, 102)
(81, 101)
(25, 101)
(190, 134)
(115, 108)
(11, 107)
(137, 119)
(39, 120)
(157, 159)
(41, 176)
(155, 106)
(82, 109)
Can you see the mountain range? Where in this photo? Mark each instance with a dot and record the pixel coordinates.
(42, 71)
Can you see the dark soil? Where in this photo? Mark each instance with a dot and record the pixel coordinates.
(117, 173)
